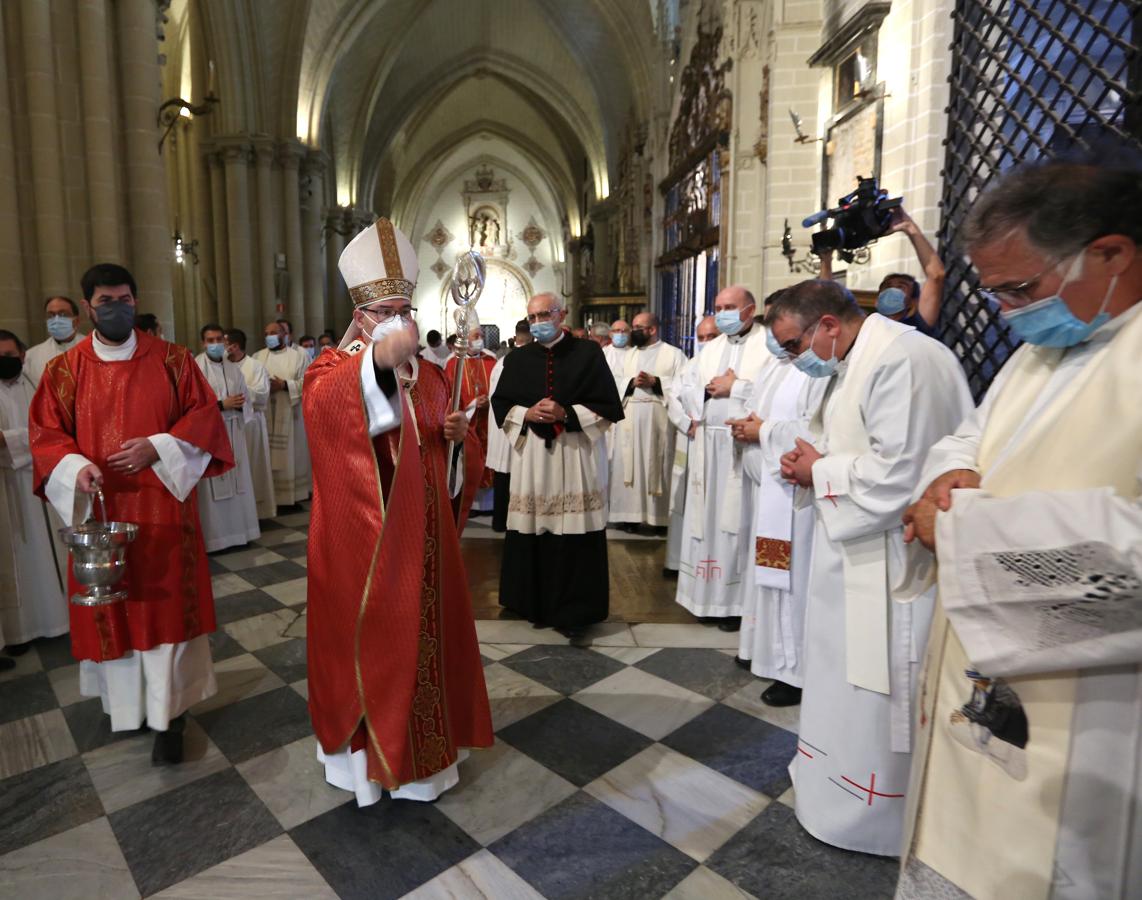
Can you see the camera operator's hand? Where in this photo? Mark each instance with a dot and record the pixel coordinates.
(826, 273)
(901, 222)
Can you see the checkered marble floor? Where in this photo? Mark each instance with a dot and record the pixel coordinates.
(641, 766)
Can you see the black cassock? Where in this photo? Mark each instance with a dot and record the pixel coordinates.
(560, 580)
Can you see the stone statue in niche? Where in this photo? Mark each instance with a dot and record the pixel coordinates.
(486, 229)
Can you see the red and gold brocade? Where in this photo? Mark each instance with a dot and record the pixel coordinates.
(87, 406)
(475, 382)
(394, 665)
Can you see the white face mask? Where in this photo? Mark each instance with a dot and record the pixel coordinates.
(477, 345)
(382, 329)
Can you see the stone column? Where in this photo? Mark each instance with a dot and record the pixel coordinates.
(15, 303)
(266, 300)
(335, 224)
(220, 240)
(201, 228)
(297, 302)
(43, 126)
(148, 226)
(319, 315)
(96, 86)
(245, 305)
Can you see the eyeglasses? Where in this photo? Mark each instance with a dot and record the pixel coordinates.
(793, 345)
(384, 314)
(1014, 295)
(543, 315)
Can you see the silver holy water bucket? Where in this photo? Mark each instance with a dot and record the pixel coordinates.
(99, 557)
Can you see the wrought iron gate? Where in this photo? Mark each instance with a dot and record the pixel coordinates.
(1030, 79)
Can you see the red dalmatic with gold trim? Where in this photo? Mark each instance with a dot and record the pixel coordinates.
(394, 665)
(475, 382)
(87, 406)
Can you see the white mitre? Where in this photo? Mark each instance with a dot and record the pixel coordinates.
(378, 264)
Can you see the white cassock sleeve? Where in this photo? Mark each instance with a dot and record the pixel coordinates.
(259, 391)
(742, 390)
(674, 411)
(383, 415)
(179, 468)
(1044, 581)
(16, 453)
(293, 385)
(248, 406)
(859, 494)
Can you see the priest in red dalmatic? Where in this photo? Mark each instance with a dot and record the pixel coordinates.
(133, 415)
(396, 686)
(474, 397)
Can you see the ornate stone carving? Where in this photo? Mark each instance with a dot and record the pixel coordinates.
(761, 145)
(439, 269)
(439, 237)
(532, 266)
(705, 103)
(532, 235)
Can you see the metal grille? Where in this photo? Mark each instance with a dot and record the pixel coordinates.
(1031, 79)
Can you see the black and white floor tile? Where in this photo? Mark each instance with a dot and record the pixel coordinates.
(641, 766)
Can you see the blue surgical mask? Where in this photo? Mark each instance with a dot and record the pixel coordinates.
(273, 341)
(729, 321)
(544, 332)
(311, 352)
(774, 347)
(891, 302)
(60, 328)
(620, 340)
(1050, 323)
(216, 351)
(812, 365)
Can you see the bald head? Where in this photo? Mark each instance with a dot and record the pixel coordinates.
(706, 331)
(621, 326)
(734, 297)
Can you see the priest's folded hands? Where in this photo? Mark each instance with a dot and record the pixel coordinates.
(797, 464)
(747, 430)
(920, 518)
(546, 411)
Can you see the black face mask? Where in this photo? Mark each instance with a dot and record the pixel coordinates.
(10, 367)
(639, 339)
(115, 321)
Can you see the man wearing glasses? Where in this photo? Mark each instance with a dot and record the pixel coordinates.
(555, 400)
(1032, 508)
(894, 393)
(396, 689)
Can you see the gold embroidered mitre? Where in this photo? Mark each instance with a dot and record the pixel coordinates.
(379, 264)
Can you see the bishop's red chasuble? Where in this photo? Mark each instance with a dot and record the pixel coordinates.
(87, 406)
(475, 382)
(394, 664)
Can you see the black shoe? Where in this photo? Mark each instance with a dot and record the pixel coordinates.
(572, 632)
(628, 527)
(659, 530)
(742, 663)
(671, 574)
(18, 649)
(709, 620)
(167, 749)
(781, 694)
(6, 664)
(730, 624)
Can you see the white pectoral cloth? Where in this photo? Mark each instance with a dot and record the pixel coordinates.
(555, 552)
(1027, 773)
(289, 452)
(710, 565)
(898, 393)
(33, 577)
(683, 407)
(258, 436)
(778, 548)
(644, 439)
(227, 508)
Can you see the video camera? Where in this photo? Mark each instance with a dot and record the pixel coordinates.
(859, 219)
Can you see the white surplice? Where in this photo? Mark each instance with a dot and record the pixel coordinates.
(683, 407)
(33, 579)
(774, 595)
(898, 393)
(709, 571)
(156, 685)
(38, 357)
(643, 453)
(499, 450)
(258, 436)
(1040, 577)
(226, 505)
(347, 769)
(289, 452)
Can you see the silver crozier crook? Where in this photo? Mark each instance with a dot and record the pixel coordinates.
(467, 285)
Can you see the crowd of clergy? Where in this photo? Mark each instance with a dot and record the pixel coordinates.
(808, 465)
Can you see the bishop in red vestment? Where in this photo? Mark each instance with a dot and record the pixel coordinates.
(396, 687)
(134, 415)
(475, 380)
